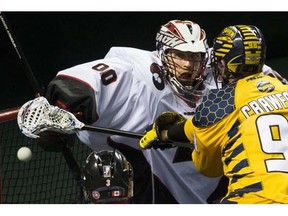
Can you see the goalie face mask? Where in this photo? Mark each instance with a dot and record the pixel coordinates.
(178, 43)
(107, 178)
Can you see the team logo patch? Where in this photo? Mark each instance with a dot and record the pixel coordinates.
(95, 195)
(265, 86)
(157, 76)
(107, 171)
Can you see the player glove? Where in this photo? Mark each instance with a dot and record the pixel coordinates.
(153, 138)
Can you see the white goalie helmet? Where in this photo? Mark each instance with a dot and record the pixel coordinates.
(184, 36)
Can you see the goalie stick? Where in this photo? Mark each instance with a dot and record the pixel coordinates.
(68, 156)
(37, 115)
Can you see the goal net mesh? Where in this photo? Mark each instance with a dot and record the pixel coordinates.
(46, 178)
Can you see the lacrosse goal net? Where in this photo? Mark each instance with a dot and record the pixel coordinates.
(45, 179)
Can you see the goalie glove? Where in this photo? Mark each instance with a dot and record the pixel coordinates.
(153, 138)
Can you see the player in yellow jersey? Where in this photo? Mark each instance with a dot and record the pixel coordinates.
(241, 130)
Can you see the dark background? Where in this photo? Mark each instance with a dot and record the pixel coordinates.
(52, 41)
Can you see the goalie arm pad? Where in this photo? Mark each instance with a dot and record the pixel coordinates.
(73, 95)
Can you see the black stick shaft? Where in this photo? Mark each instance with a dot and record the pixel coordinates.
(27, 68)
(129, 134)
(112, 131)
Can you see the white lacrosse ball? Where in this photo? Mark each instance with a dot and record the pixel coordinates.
(24, 154)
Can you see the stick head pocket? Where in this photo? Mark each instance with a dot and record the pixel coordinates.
(38, 115)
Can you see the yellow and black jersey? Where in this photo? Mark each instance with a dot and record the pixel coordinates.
(241, 131)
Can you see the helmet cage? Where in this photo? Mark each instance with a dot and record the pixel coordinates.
(183, 36)
(187, 90)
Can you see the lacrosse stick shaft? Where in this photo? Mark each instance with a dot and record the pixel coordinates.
(128, 134)
(27, 68)
(112, 131)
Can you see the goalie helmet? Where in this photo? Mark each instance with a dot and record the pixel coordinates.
(183, 36)
(107, 178)
(243, 49)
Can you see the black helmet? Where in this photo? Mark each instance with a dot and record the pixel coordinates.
(243, 49)
(107, 178)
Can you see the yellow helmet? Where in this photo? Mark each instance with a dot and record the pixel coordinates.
(242, 47)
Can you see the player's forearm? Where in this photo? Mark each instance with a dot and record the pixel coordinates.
(176, 133)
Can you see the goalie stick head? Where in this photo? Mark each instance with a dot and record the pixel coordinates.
(37, 115)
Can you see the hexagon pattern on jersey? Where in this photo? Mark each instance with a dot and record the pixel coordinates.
(215, 106)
